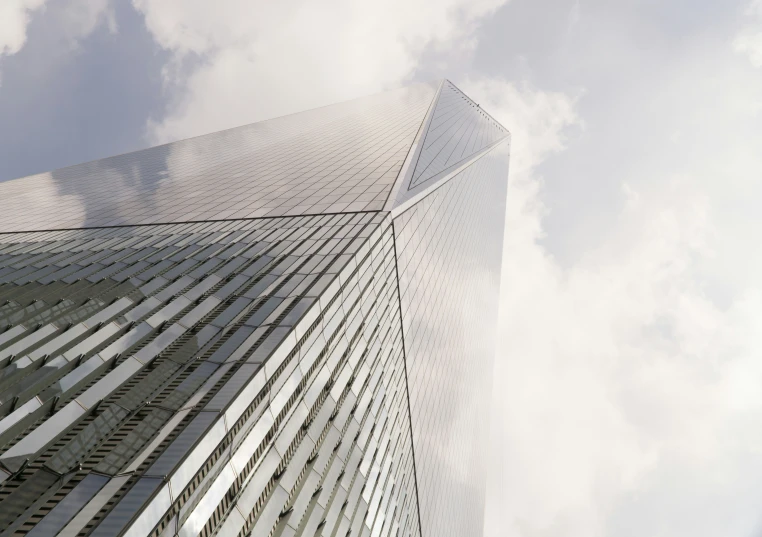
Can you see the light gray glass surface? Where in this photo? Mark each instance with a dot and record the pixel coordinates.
(339, 158)
(458, 128)
(65, 510)
(449, 248)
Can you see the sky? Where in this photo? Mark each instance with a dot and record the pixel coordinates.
(628, 384)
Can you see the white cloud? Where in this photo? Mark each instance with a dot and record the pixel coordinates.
(627, 398)
(748, 40)
(14, 18)
(79, 18)
(74, 21)
(76, 18)
(536, 119)
(255, 60)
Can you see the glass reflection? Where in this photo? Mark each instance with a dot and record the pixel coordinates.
(449, 249)
(284, 166)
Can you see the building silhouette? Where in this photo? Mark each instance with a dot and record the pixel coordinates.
(282, 329)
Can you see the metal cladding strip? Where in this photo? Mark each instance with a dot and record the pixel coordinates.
(234, 523)
(134, 314)
(11, 334)
(150, 516)
(48, 349)
(41, 437)
(101, 359)
(347, 283)
(31, 339)
(65, 510)
(326, 501)
(75, 526)
(195, 525)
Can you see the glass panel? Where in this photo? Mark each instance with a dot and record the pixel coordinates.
(68, 507)
(185, 441)
(127, 507)
(77, 450)
(41, 436)
(449, 246)
(131, 444)
(232, 387)
(25, 495)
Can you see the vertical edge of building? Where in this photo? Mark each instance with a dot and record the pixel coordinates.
(449, 218)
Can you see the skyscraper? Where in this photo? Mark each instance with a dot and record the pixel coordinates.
(282, 329)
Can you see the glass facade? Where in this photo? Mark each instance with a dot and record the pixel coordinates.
(340, 158)
(458, 129)
(449, 252)
(305, 352)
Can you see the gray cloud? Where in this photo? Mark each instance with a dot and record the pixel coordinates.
(81, 88)
(628, 389)
(296, 55)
